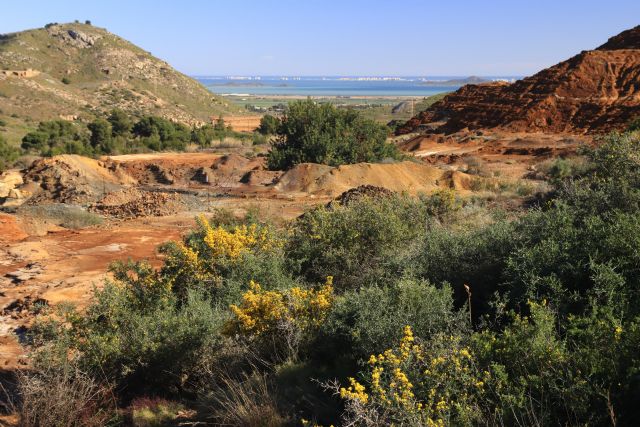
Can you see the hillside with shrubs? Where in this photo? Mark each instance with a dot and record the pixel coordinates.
(377, 309)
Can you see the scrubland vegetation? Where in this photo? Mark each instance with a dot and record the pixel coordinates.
(384, 310)
(308, 132)
(120, 133)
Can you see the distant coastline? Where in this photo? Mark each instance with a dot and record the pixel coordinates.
(339, 86)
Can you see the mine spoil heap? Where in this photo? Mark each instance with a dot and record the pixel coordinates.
(594, 92)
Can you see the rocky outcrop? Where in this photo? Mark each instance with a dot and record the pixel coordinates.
(76, 38)
(593, 92)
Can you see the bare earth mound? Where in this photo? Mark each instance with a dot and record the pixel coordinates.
(333, 181)
(138, 204)
(73, 179)
(596, 91)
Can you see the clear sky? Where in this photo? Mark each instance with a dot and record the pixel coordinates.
(345, 37)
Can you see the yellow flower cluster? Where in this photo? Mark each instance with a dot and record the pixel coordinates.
(263, 311)
(191, 264)
(355, 391)
(617, 333)
(232, 244)
(419, 384)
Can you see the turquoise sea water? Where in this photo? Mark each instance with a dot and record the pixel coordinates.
(332, 86)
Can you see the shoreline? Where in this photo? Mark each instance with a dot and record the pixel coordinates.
(367, 97)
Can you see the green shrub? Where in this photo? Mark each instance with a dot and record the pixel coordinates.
(560, 169)
(365, 322)
(221, 260)
(528, 364)
(634, 125)
(135, 332)
(121, 123)
(358, 244)
(447, 254)
(321, 133)
(418, 383)
(57, 137)
(8, 154)
(260, 139)
(159, 134)
(268, 125)
(101, 138)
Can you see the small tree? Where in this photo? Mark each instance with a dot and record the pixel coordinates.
(268, 125)
(121, 124)
(322, 133)
(101, 136)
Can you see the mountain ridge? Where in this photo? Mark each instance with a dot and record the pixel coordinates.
(595, 91)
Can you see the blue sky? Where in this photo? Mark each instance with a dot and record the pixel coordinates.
(346, 37)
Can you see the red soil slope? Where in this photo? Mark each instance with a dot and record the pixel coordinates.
(593, 92)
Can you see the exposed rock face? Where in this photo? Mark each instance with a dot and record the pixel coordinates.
(77, 38)
(593, 92)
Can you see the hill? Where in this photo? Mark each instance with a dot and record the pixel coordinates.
(593, 92)
(75, 71)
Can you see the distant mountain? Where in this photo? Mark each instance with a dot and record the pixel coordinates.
(595, 91)
(78, 70)
(455, 82)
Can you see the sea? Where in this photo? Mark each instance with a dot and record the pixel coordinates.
(338, 86)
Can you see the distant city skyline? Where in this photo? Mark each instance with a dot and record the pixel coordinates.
(346, 38)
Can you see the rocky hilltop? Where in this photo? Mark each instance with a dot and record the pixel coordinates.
(593, 92)
(77, 70)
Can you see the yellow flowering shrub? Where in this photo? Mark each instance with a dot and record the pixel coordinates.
(263, 311)
(199, 258)
(414, 385)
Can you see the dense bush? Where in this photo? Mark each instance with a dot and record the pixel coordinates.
(118, 133)
(221, 260)
(135, 332)
(634, 125)
(365, 322)
(359, 243)
(101, 138)
(57, 137)
(121, 123)
(157, 133)
(322, 133)
(433, 317)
